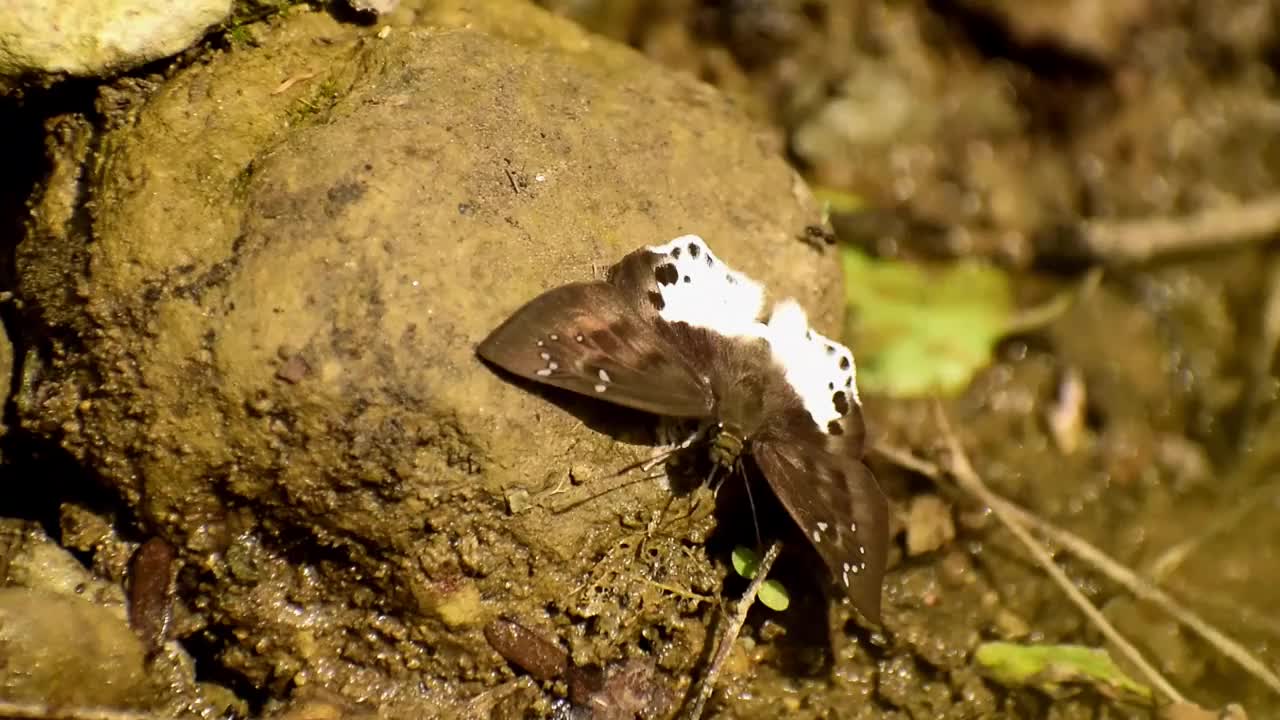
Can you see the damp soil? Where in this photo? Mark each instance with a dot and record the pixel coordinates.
(352, 500)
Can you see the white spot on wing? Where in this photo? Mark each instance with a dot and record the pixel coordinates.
(715, 296)
(816, 536)
(822, 526)
(604, 376)
(812, 362)
(600, 388)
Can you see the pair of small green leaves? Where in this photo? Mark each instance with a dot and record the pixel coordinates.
(772, 594)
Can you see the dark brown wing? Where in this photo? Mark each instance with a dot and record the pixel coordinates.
(833, 497)
(587, 338)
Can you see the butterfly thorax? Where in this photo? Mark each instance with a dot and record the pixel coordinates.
(726, 447)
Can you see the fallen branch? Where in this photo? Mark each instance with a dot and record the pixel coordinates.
(1121, 242)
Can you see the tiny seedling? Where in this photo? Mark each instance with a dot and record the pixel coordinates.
(773, 594)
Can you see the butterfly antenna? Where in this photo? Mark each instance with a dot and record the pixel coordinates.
(646, 465)
(573, 503)
(751, 501)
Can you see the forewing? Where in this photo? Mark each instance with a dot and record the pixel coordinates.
(835, 500)
(682, 281)
(585, 337)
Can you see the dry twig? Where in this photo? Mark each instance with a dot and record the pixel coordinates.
(1259, 389)
(1133, 241)
(969, 480)
(736, 620)
(1104, 564)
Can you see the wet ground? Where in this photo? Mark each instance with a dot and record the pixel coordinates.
(966, 129)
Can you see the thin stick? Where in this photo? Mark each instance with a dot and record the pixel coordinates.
(968, 479)
(736, 620)
(1132, 241)
(1103, 563)
(1261, 358)
(1173, 556)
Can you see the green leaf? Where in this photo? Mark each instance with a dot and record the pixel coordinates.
(745, 561)
(774, 596)
(927, 329)
(772, 593)
(1048, 667)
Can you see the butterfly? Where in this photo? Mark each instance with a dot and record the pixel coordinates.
(674, 331)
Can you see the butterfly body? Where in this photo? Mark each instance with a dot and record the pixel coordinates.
(674, 331)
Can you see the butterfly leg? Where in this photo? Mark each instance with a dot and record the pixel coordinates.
(667, 430)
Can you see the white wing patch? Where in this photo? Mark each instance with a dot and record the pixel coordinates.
(702, 291)
(820, 369)
(697, 288)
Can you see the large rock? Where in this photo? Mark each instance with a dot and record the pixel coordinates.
(265, 307)
(99, 37)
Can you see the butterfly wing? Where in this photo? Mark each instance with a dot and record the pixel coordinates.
(819, 370)
(682, 281)
(585, 337)
(832, 496)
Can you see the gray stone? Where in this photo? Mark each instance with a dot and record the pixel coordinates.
(67, 652)
(99, 37)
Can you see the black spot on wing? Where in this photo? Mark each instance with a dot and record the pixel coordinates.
(841, 401)
(844, 363)
(694, 250)
(688, 279)
(834, 428)
(675, 253)
(655, 299)
(666, 274)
